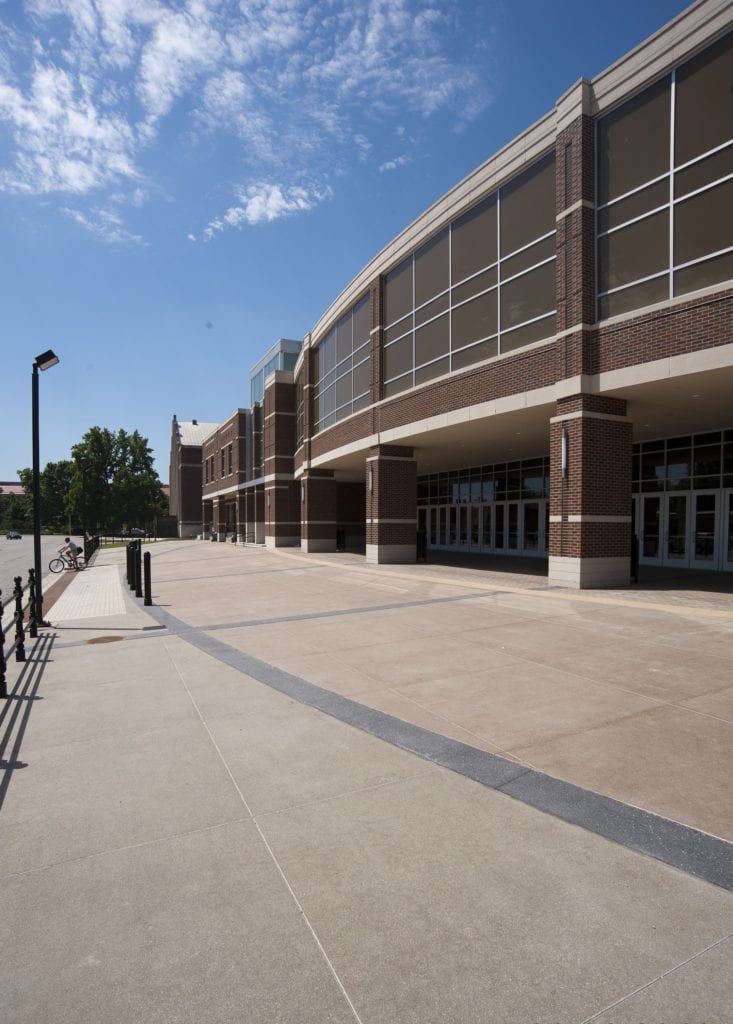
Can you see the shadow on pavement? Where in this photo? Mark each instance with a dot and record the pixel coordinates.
(17, 709)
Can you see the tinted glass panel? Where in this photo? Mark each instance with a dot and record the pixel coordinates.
(431, 341)
(395, 386)
(639, 295)
(634, 206)
(328, 399)
(343, 389)
(362, 322)
(473, 245)
(528, 205)
(474, 354)
(636, 251)
(526, 335)
(436, 369)
(702, 173)
(362, 402)
(326, 355)
(431, 269)
(398, 292)
(531, 255)
(477, 284)
(704, 101)
(398, 358)
(700, 224)
(361, 378)
(343, 338)
(528, 296)
(431, 309)
(702, 275)
(403, 327)
(474, 320)
(633, 142)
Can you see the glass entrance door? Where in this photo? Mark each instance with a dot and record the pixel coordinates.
(531, 528)
(727, 531)
(664, 529)
(705, 532)
(675, 530)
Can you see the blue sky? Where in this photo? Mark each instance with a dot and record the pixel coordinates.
(182, 182)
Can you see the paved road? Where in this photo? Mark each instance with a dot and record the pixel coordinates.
(16, 557)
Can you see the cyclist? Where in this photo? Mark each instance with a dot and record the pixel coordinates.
(70, 551)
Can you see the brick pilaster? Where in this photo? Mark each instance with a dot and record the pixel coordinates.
(391, 504)
(590, 492)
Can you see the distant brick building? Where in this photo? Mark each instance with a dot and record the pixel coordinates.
(185, 474)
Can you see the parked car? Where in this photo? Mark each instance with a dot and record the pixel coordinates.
(135, 531)
(13, 535)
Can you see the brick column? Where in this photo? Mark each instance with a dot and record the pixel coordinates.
(207, 519)
(318, 510)
(249, 515)
(219, 526)
(575, 242)
(282, 513)
(258, 523)
(391, 504)
(241, 517)
(590, 493)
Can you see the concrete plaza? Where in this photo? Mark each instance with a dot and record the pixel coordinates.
(303, 789)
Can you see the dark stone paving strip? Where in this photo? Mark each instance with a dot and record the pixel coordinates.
(339, 612)
(680, 846)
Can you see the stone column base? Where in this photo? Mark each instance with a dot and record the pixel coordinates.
(586, 573)
(315, 544)
(282, 542)
(383, 554)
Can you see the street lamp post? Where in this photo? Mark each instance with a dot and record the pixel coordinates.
(42, 362)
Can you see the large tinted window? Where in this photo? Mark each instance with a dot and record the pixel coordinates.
(664, 223)
(442, 303)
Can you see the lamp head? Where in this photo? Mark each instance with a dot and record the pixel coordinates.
(46, 360)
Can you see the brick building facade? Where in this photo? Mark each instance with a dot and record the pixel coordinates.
(542, 363)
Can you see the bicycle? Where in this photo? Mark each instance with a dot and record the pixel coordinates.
(64, 562)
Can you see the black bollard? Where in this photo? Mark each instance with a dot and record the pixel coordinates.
(3, 684)
(131, 565)
(19, 631)
(138, 570)
(148, 583)
(32, 616)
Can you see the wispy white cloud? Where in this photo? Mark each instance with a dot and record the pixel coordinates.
(266, 201)
(105, 224)
(93, 91)
(392, 165)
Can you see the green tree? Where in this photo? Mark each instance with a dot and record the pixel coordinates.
(113, 483)
(16, 512)
(94, 465)
(55, 484)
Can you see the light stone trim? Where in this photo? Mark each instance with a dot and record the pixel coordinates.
(590, 518)
(585, 573)
(671, 367)
(587, 414)
(677, 300)
(399, 522)
(576, 206)
(580, 384)
(282, 542)
(386, 554)
(671, 45)
(312, 545)
(390, 458)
